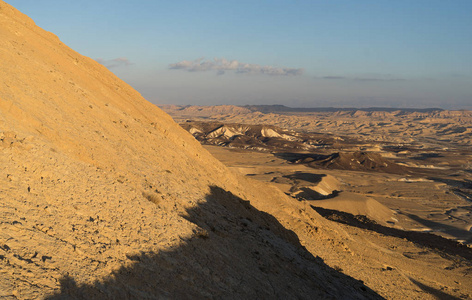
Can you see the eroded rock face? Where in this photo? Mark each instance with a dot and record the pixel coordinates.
(256, 137)
(102, 195)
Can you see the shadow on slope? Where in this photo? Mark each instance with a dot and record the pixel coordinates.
(432, 241)
(236, 252)
(303, 176)
(354, 161)
(435, 292)
(460, 184)
(451, 230)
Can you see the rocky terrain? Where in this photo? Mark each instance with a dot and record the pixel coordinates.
(406, 185)
(416, 162)
(425, 128)
(104, 196)
(256, 137)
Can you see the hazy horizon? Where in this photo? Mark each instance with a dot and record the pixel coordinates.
(316, 107)
(402, 54)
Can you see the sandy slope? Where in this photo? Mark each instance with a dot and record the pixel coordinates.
(102, 195)
(399, 264)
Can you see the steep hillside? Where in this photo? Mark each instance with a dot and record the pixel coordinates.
(102, 195)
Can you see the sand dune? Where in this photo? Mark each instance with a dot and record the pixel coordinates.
(359, 205)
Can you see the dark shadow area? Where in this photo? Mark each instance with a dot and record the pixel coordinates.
(398, 149)
(453, 130)
(308, 177)
(463, 194)
(236, 252)
(309, 194)
(425, 156)
(462, 184)
(432, 241)
(462, 188)
(352, 161)
(435, 292)
(302, 185)
(451, 230)
(294, 157)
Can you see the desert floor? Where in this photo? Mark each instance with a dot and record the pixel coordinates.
(392, 201)
(416, 204)
(397, 184)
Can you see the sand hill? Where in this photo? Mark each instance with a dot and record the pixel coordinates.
(103, 196)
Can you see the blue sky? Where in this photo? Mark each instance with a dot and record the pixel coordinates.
(345, 53)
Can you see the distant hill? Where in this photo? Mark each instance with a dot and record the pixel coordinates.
(282, 108)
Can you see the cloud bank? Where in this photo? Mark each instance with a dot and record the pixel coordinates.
(113, 63)
(221, 65)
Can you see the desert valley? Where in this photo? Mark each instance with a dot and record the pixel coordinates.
(103, 195)
(416, 162)
(398, 173)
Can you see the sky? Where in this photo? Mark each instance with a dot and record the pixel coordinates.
(313, 53)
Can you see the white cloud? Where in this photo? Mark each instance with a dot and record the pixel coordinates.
(113, 63)
(221, 65)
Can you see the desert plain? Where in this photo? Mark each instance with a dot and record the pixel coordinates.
(417, 163)
(408, 171)
(104, 196)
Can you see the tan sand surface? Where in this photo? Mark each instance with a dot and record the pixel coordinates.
(357, 204)
(388, 199)
(104, 196)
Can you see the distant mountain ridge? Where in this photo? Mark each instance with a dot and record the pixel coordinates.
(279, 108)
(282, 108)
